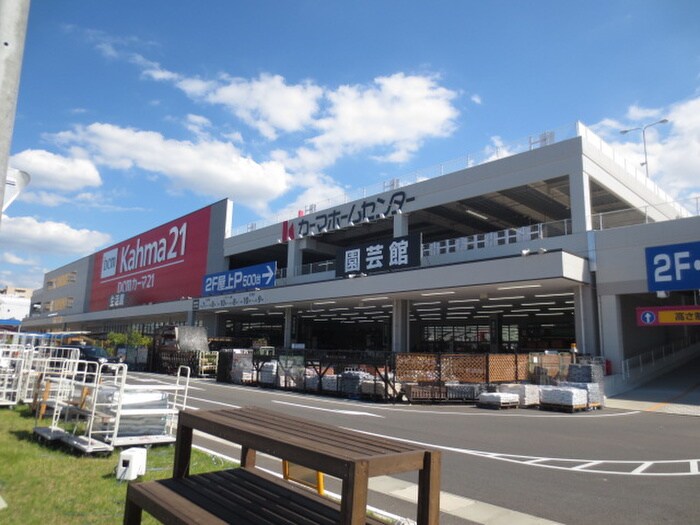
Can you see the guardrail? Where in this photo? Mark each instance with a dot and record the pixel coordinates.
(635, 366)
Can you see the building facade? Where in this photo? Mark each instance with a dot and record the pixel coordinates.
(561, 243)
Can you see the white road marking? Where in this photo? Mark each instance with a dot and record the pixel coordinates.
(584, 466)
(542, 461)
(333, 410)
(230, 405)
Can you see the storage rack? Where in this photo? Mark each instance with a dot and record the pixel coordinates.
(98, 411)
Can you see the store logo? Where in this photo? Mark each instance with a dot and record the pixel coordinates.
(109, 263)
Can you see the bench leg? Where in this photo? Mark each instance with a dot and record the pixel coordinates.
(353, 505)
(183, 451)
(132, 512)
(429, 490)
(247, 457)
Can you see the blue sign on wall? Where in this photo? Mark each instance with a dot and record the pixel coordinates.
(673, 267)
(240, 280)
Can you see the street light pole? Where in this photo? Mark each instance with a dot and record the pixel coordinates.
(644, 139)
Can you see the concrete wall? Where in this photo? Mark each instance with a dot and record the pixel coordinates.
(622, 285)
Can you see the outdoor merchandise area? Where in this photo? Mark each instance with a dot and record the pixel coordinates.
(89, 405)
(550, 380)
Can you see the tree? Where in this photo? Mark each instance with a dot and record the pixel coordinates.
(133, 339)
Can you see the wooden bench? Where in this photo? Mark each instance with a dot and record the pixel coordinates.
(249, 495)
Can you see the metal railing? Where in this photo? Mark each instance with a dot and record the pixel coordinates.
(655, 357)
(671, 210)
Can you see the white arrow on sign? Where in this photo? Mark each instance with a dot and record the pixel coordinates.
(269, 274)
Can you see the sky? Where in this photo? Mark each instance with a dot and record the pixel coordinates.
(132, 113)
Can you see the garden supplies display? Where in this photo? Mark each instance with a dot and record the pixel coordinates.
(592, 373)
(351, 381)
(498, 400)
(464, 391)
(594, 392)
(563, 396)
(268, 373)
(528, 395)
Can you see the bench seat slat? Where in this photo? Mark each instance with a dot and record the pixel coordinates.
(238, 496)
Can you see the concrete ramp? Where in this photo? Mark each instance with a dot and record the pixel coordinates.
(676, 392)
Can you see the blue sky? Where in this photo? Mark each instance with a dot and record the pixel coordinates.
(134, 113)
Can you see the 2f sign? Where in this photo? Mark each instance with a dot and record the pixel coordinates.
(673, 267)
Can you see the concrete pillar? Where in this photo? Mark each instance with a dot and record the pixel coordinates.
(294, 258)
(611, 331)
(13, 30)
(495, 333)
(288, 325)
(400, 326)
(580, 198)
(586, 320)
(400, 225)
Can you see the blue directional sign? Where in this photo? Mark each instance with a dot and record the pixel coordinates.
(648, 317)
(673, 267)
(240, 280)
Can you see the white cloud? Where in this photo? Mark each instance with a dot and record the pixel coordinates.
(11, 258)
(390, 118)
(28, 233)
(677, 158)
(44, 198)
(637, 113)
(476, 99)
(197, 125)
(207, 167)
(56, 172)
(268, 103)
(398, 112)
(497, 149)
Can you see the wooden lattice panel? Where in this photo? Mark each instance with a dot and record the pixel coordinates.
(502, 368)
(417, 367)
(522, 364)
(464, 368)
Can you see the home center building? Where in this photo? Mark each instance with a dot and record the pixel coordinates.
(562, 243)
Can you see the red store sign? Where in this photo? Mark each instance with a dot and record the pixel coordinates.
(163, 264)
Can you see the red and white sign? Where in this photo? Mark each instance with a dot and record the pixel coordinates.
(163, 264)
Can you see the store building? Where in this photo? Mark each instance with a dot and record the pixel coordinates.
(561, 243)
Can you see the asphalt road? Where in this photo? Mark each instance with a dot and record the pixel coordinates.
(611, 466)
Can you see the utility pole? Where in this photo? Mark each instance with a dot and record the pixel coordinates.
(13, 31)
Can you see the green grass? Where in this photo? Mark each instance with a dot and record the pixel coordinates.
(46, 484)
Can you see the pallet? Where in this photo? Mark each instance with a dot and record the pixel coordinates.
(498, 406)
(570, 409)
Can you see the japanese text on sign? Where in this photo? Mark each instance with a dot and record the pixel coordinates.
(392, 254)
(258, 276)
(368, 210)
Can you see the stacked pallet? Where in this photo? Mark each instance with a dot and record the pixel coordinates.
(563, 398)
(351, 381)
(464, 391)
(528, 395)
(585, 373)
(498, 400)
(377, 388)
(268, 373)
(329, 383)
(594, 392)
